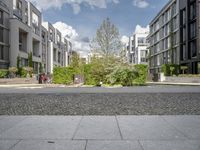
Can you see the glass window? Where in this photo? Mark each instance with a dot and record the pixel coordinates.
(1, 52)
(1, 34)
(193, 48)
(193, 30)
(35, 19)
(192, 11)
(1, 17)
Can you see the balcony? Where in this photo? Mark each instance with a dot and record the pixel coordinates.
(17, 12)
(36, 29)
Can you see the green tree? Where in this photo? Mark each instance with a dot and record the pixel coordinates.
(107, 41)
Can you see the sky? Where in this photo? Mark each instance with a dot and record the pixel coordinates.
(79, 19)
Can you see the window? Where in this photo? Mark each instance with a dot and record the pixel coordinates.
(51, 35)
(1, 17)
(192, 30)
(54, 55)
(59, 57)
(192, 11)
(24, 62)
(183, 53)
(1, 34)
(193, 48)
(183, 17)
(1, 52)
(35, 19)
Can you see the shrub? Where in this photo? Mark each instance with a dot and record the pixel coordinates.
(141, 74)
(122, 75)
(166, 69)
(63, 75)
(3, 73)
(88, 76)
(23, 72)
(170, 69)
(13, 71)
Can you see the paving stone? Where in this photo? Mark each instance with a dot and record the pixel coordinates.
(50, 145)
(147, 127)
(7, 144)
(170, 145)
(45, 127)
(7, 122)
(189, 125)
(98, 127)
(113, 145)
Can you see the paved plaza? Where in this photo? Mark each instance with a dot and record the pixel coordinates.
(99, 133)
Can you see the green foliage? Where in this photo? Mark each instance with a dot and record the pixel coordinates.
(170, 69)
(3, 73)
(107, 41)
(122, 75)
(88, 76)
(63, 75)
(108, 71)
(141, 74)
(12, 72)
(23, 72)
(30, 59)
(18, 64)
(166, 69)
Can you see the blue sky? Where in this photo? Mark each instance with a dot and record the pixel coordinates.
(85, 16)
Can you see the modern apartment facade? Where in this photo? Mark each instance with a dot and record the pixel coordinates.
(138, 48)
(29, 35)
(5, 14)
(174, 36)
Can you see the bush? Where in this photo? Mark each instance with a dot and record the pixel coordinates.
(88, 76)
(166, 69)
(23, 72)
(63, 75)
(12, 72)
(122, 75)
(141, 72)
(3, 73)
(170, 69)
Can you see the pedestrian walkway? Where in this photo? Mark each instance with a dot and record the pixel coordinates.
(99, 132)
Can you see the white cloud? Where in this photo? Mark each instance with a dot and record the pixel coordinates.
(140, 29)
(66, 30)
(46, 4)
(79, 44)
(140, 3)
(124, 39)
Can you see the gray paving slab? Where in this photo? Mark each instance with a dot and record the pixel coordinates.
(113, 145)
(188, 125)
(7, 144)
(7, 122)
(98, 127)
(45, 127)
(147, 127)
(171, 145)
(50, 145)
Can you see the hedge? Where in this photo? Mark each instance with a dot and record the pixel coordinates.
(3, 73)
(141, 72)
(170, 69)
(63, 75)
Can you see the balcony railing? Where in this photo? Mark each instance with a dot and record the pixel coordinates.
(17, 12)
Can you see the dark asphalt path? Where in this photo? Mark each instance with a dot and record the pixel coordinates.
(149, 100)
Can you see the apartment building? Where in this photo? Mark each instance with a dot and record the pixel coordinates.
(29, 35)
(5, 14)
(138, 48)
(190, 35)
(174, 36)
